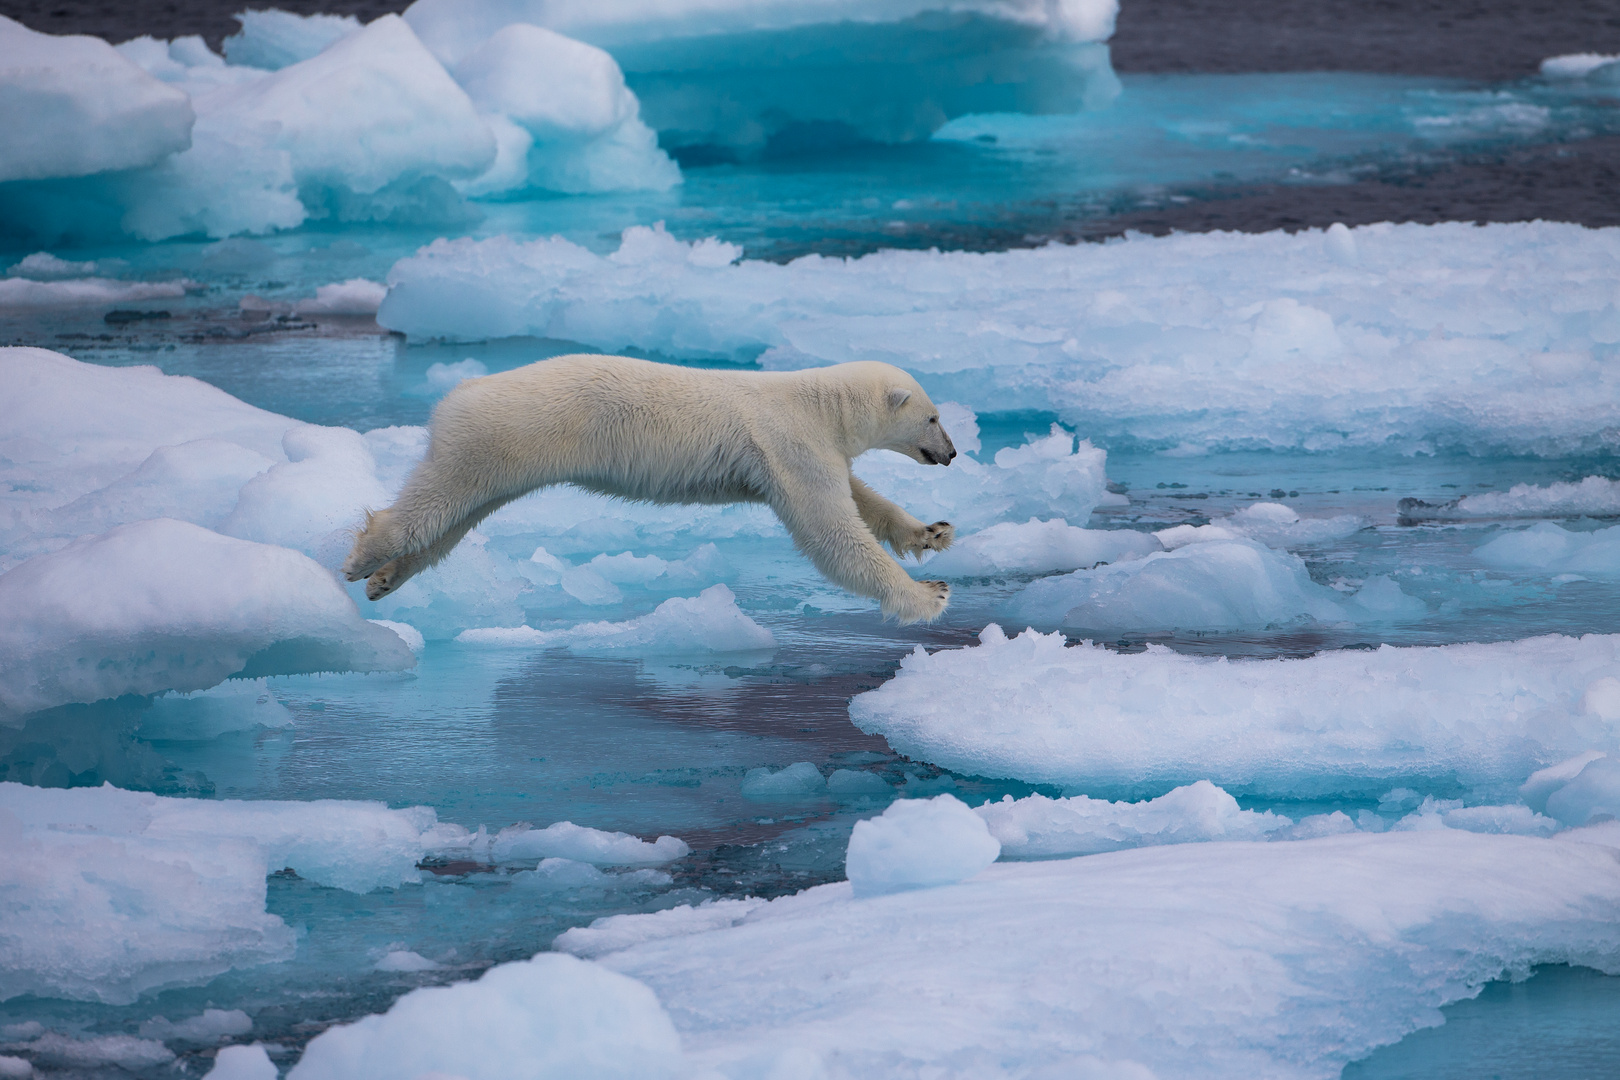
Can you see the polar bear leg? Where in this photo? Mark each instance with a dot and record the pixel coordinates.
(831, 532)
(396, 572)
(893, 526)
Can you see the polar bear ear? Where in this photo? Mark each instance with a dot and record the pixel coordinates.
(898, 397)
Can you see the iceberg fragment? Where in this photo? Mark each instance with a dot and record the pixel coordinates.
(1553, 549)
(274, 39)
(1037, 547)
(1035, 709)
(550, 1017)
(734, 79)
(72, 106)
(1594, 496)
(708, 622)
(565, 840)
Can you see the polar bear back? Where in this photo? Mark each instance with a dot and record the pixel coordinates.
(658, 432)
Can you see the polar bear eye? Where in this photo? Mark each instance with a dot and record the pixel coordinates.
(933, 419)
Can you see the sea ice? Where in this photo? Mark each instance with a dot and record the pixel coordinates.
(565, 840)
(1215, 585)
(1036, 547)
(209, 1026)
(357, 296)
(550, 1017)
(1037, 710)
(1591, 795)
(1210, 340)
(190, 609)
(87, 292)
(1273, 524)
(799, 780)
(1036, 826)
(1577, 65)
(243, 1063)
(918, 844)
(175, 888)
(1223, 960)
(734, 76)
(1596, 496)
(273, 39)
(73, 106)
(708, 622)
(1551, 548)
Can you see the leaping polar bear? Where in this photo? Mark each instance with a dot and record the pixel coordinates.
(667, 434)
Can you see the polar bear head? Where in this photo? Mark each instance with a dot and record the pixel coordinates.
(908, 421)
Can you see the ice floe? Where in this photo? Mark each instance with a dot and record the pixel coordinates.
(1553, 549)
(565, 840)
(166, 605)
(1273, 524)
(708, 622)
(1596, 496)
(1226, 960)
(552, 1016)
(918, 844)
(1215, 340)
(1037, 826)
(1037, 547)
(743, 78)
(74, 106)
(1035, 709)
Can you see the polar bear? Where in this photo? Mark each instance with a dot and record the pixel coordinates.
(668, 434)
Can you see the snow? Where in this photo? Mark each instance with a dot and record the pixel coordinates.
(550, 1017)
(186, 608)
(565, 840)
(708, 622)
(72, 106)
(1210, 341)
(273, 39)
(1553, 549)
(1032, 708)
(1224, 959)
(1037, 826)
(174, 889)
(918, 844)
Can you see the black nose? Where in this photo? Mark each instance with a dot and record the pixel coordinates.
(951, 458)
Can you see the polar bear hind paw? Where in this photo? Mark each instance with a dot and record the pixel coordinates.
(925, 602)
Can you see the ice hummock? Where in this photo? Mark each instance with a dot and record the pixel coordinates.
(1038, 826)
(918, 844)
(708, 622)
(1227, 959)
(342, 122)
(1553, 549)
(166, 605)
(1208, 341)
(1033, 708)
(74, 106)
(737, 79)
(552, 1016)
(1596, 496)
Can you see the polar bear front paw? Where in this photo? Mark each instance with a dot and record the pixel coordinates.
(924, 602)
(384, 581)
(936, 537)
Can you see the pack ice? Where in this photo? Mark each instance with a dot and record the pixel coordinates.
(1033, 708)
(342, 122)
(1411, 336)
(738, 78)
(1233, 959)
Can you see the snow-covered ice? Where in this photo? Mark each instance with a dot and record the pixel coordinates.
(708, 622)
(918, 844)
(1596, 496)
(1036, 547)
(250, 1062)
(565, 840)
(74, 106)
(1035, 709)
(184, 609)
(1208, 341)
(1214, 585)
(1036, 826)
(1222, 959)
(1551, 548)
(550, 1017)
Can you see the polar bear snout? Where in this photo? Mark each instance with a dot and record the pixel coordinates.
(932, 458)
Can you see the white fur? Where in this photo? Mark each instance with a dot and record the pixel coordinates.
(668, 434)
